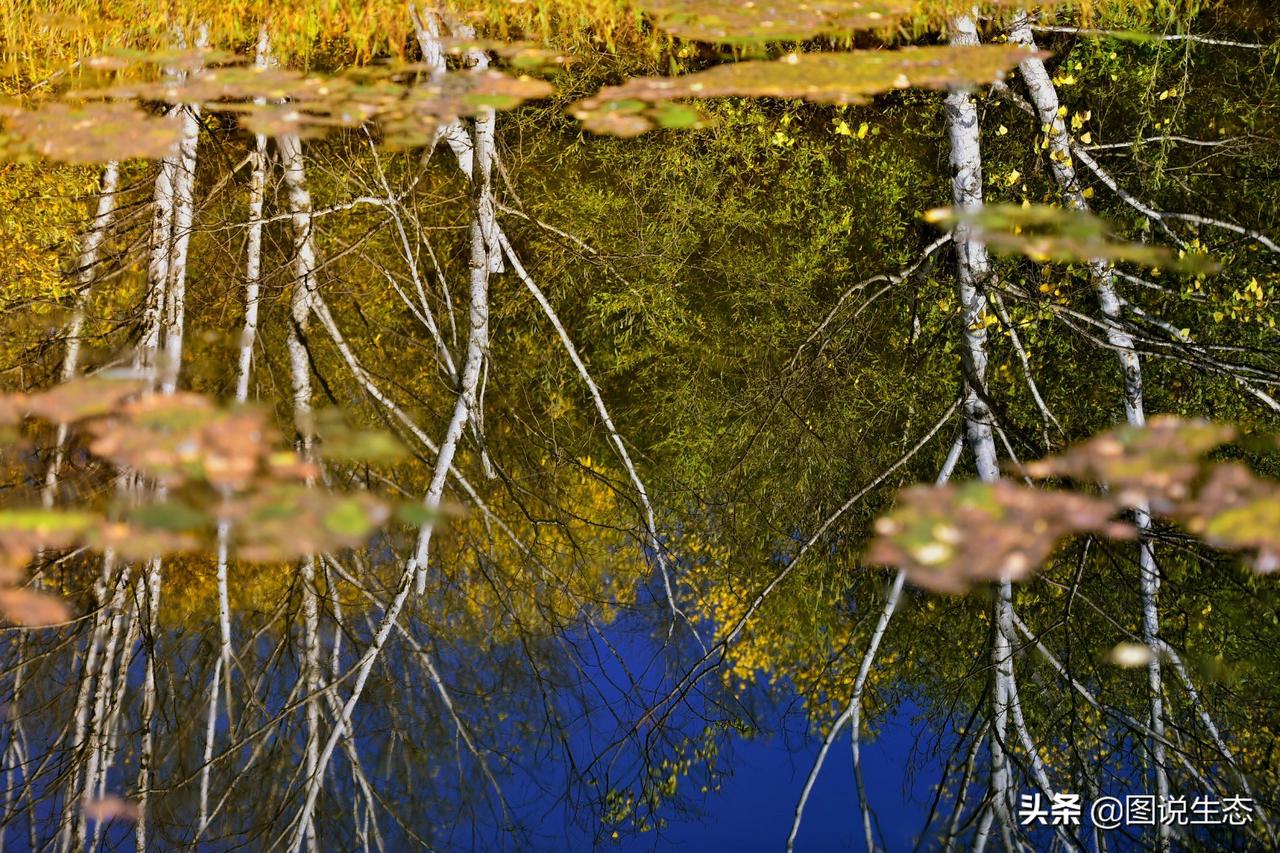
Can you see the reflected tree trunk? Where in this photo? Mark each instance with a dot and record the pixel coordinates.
(86, 272)
(1044, 96)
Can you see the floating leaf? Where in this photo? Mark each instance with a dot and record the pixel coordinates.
(736, 21)
(829, 78)
(176, 59)
(414, 513)
(624, 119)
(110, 808)
(350, 518)
(1044, 233)
(284, 521)
(169, 515)
(1130, 655)
(409, 109)
(1236, 510)
(236, 83)
(287, 120)
(183, 436)
(676, 116)
(32, 609)
(1156, 464)
(82, 398)
(135, 542)
(23, 532)
(90, 133)
(12, 409)
(949, 537)
(352, 445)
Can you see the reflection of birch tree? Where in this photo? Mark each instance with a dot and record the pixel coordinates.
(395, 695)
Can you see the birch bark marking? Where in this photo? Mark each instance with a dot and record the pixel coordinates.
(1045, 98)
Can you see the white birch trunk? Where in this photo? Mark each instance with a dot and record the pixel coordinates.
(853, 712)
(211, 726)
(477, 351)
(253, 250)
(86, 273)
(244, 372)
(84, 692)
(150, 607)
(117, 702)
(301, 306)
(311, 680)
(415, 572)
(14, 751)
(304, 284)
(973, 276)
(158, 265)
(98, 732)
(174, 319)
(1045, 98)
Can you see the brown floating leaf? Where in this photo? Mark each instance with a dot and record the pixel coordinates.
(90, 133)
(949, 537)
(177, 59)
(1155, 464)
(219, 84)
(829, 78)
(737, 21)
(284, 521)
(23, 532)
(12, 409)
(525, 55)
(287, 119)
(1046, 233)
(624, 119)
(32, 609)
(82, 398)
(138, 543)
(182, 436)
(109, 808)
(408, 109)
(1237, 511)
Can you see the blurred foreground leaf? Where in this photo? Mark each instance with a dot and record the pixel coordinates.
(88, 133)
(949, 537)
(736, 21)
(1044, 233)
(851, 77)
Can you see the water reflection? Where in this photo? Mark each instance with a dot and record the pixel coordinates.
(707, 361)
